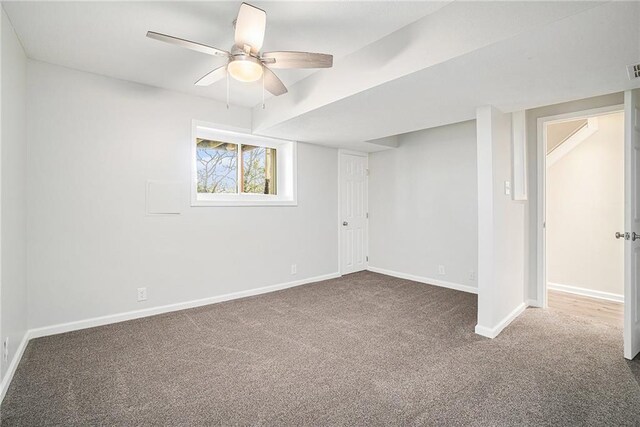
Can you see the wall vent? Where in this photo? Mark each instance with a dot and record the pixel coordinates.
(634, 71)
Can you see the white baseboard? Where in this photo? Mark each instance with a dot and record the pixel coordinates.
(11, 370)
(427, 280)
(585, 292)
(495, 331)
(121, 317)
(533, 303)
(136, 314)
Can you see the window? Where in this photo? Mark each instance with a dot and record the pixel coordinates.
(236, 169)
(259, 170)
(217, 166)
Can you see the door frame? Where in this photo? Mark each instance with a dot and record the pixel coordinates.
(541, 286)
(341, 152)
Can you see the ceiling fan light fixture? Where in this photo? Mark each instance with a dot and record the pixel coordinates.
(245, 69)
(245, 62)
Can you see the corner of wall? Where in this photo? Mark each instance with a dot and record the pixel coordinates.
(501, 227)
(13, 287)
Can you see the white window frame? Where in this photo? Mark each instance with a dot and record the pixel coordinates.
(286, 164)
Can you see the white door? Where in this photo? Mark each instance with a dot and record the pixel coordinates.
(632, 224)
(353, 212)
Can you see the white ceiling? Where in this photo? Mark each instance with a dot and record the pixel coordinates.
(556, 56)
(108, 38)
(400, 66)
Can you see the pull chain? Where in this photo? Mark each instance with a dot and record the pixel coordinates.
(227, 90)
(263, 89)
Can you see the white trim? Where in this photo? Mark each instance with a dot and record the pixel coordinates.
(541, 262)
(608, 296)
(286, 177)
(250, 200)
(541, 289)
(136, 314)
(494, 332)
(533, 303)
(426, 280)
(339, 217)
(11, 369)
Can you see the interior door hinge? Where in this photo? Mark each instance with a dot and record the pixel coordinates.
(367, 258)
(367, 215)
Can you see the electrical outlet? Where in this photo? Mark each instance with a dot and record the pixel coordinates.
(441, 270)
(142, 294)
(294, 268)
(472, 275)
(5, 349)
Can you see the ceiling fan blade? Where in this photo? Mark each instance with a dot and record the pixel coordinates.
(198, 47)
(272, 83)
(213, 76)
(298, 60)
(250, 27)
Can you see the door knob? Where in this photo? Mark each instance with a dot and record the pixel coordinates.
(345, 223)
(633, 236)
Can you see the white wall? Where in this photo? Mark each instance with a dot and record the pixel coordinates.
(93, 143)
(531, 217)
(13, 292)
(501, 226)
(585, 207)
(423, 204)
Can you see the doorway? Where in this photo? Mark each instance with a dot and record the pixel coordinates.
(353, 208)
(585, 202)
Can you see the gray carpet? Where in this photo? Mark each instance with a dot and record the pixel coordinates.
(362, 349)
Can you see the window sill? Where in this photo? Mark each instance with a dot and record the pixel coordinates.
(243, 202)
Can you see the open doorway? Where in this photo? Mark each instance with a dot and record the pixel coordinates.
(584, 203)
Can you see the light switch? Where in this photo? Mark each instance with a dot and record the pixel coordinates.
(507, 188)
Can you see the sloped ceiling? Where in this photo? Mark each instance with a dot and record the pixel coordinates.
(559, 132)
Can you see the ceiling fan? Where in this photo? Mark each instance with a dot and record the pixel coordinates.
(245, 63)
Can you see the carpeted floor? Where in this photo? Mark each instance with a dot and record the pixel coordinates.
(362, 349)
